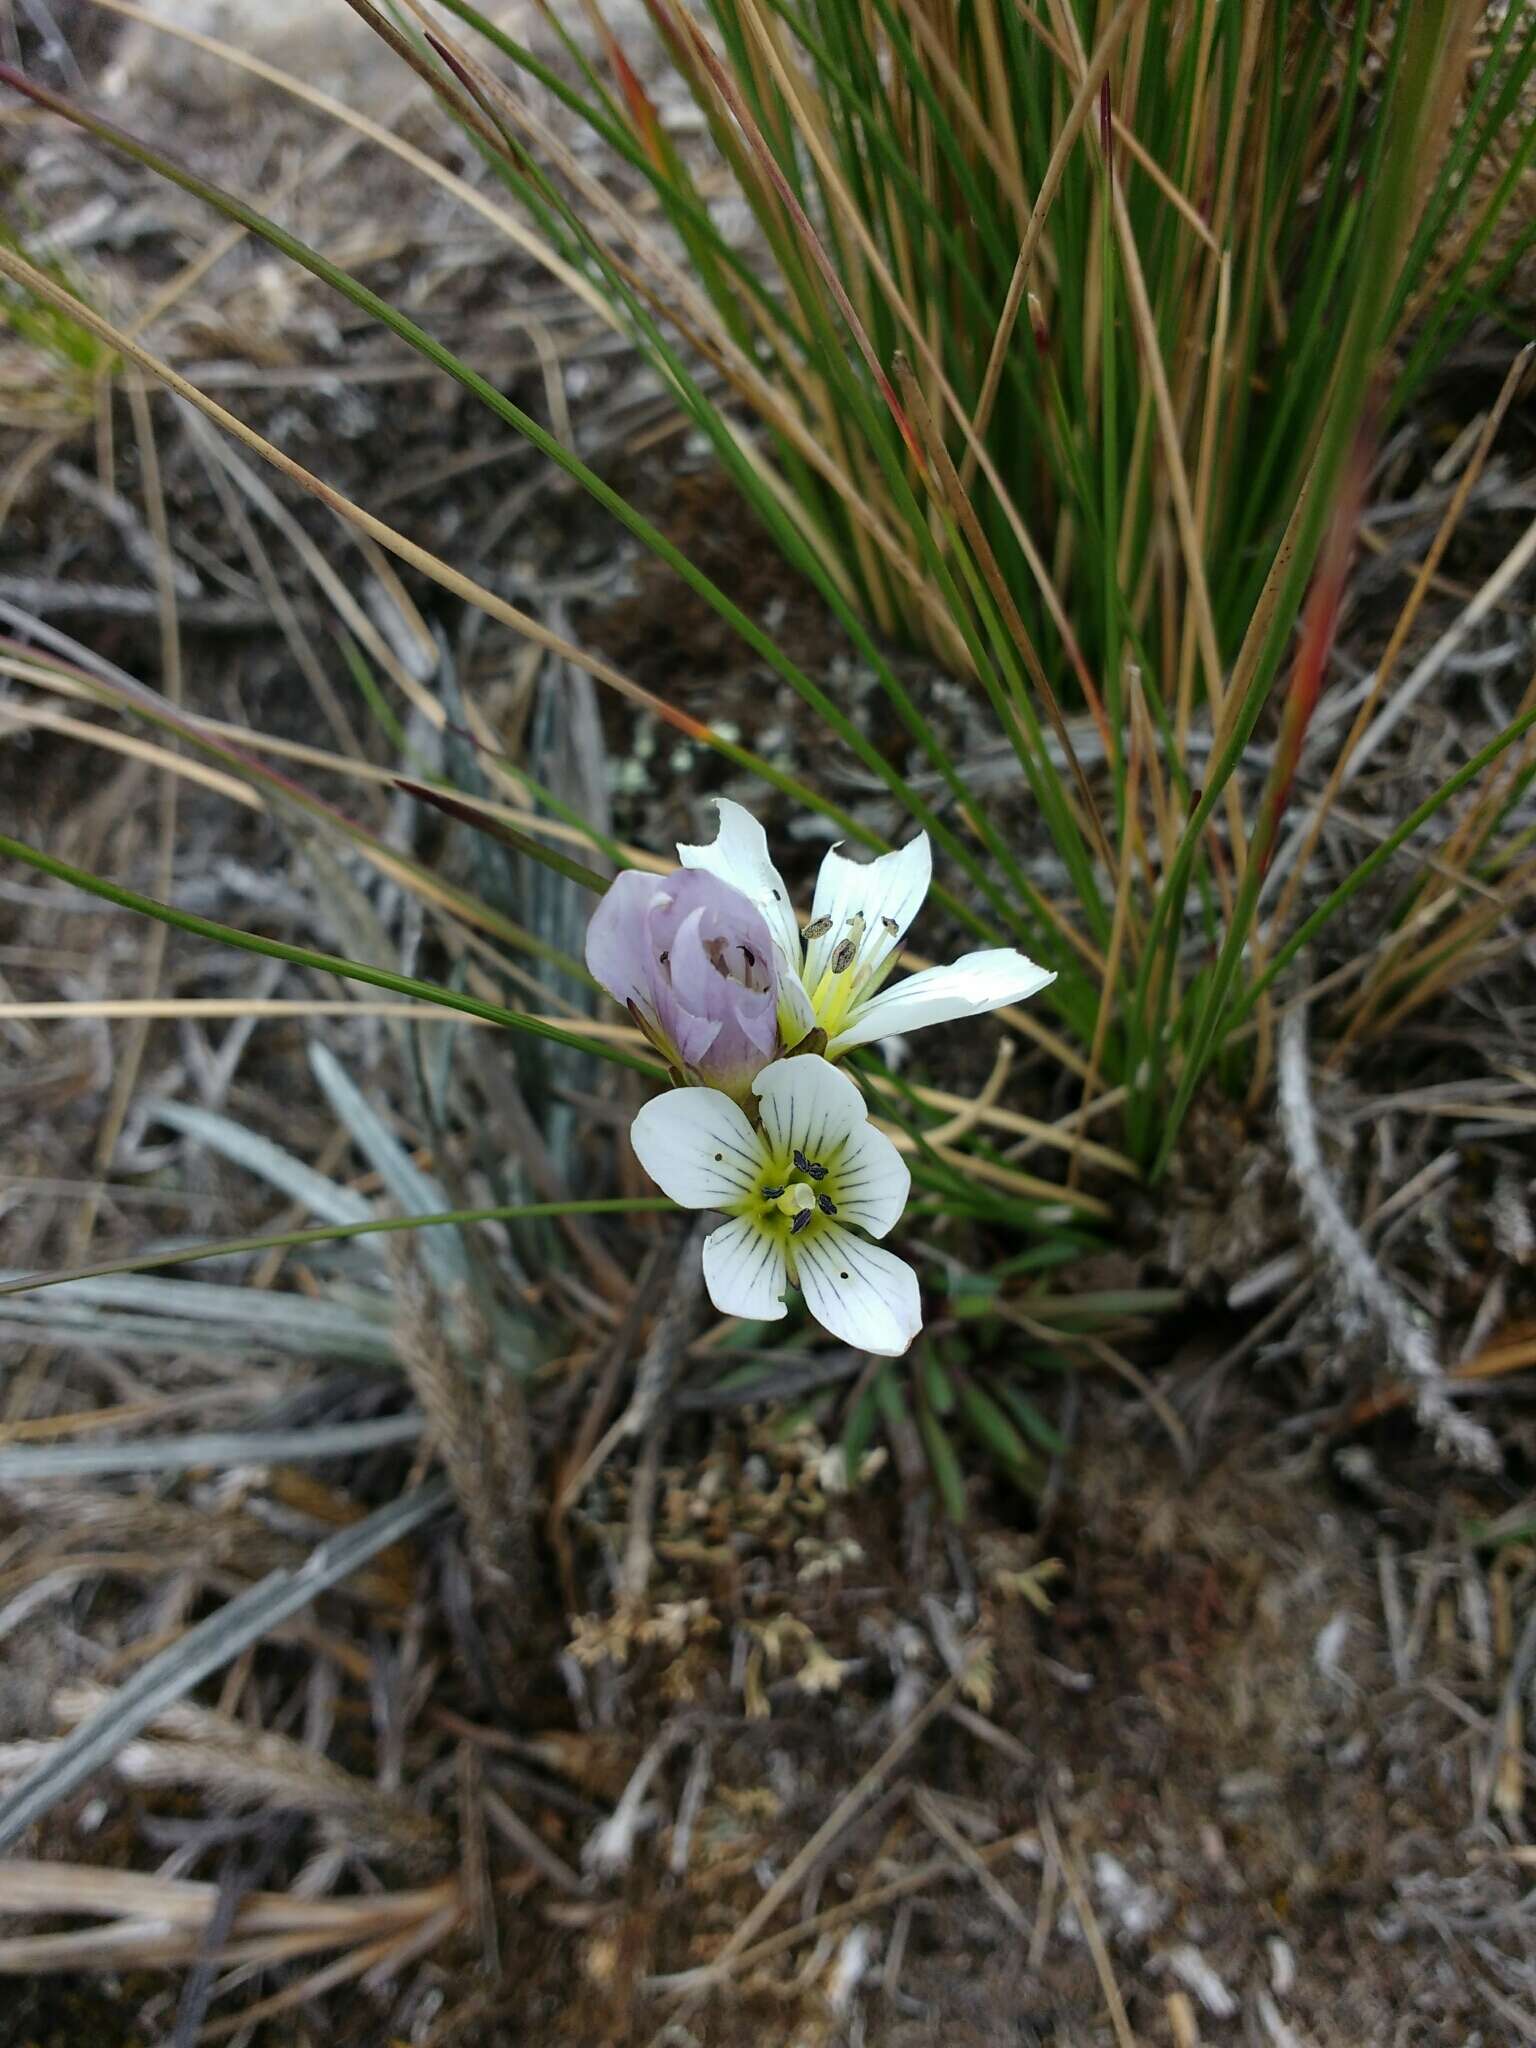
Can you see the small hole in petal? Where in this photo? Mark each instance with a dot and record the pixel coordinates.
(842, 1276)
(719, 1155)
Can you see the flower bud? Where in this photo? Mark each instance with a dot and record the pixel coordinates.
(692, 960)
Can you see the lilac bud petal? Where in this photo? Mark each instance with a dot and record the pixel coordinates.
(697, 959)
(693, 971)
(619, 953)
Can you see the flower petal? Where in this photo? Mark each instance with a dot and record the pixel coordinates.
(887, 893)
(619, 951)
(739, 855)
(698, 1148)
(871, 1182)
(744, 1271)
(864, 1295)
(968, 987)
(796, 1016)
(808, 1107)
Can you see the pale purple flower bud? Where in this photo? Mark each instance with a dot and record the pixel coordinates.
(691, 958)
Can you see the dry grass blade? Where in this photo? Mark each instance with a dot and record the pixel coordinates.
(19, 1464)
(479, 1433)
(18, 717)
(380, 1958)
(145, 1945)
(505, 222)
(937, 1870)
(961, 509)
(1028, 1186)
(205, 1648)
(408, 551)
(968, 1111)
(1367, 1286)
(1310, 829)
(840, 1817)
(674, 297)
(41, 1887)
(1093, 1934)
(938, 1823)
(1506, 577)
(1145, 321)
(257, 1768)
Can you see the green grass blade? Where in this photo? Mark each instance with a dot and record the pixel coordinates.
(337, 1233)
(325, 963)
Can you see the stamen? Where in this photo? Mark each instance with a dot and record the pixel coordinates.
(826, 1205)
(812, 1167)
(819, 929)
(800, 1222)
(769, 1194)
(848, 948)
(891, 926)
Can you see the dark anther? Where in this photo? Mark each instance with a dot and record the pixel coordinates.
(751, 956)
(813, 1168)
(842, 959)
(800, 1222)
(819, 929)
(771, 1194)
(891, 925)
(826, 1205)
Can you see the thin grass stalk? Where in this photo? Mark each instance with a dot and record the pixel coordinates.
(1433, 973)
(1423, 39)
(448, 578)
(871, 756)
(1518, 371)
(444, 359)
(1374, 861)
(903, 210)
(325, 963)
(327, 1233)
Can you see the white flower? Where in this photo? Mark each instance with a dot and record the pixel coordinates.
(796, 1192)
(859, 920)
